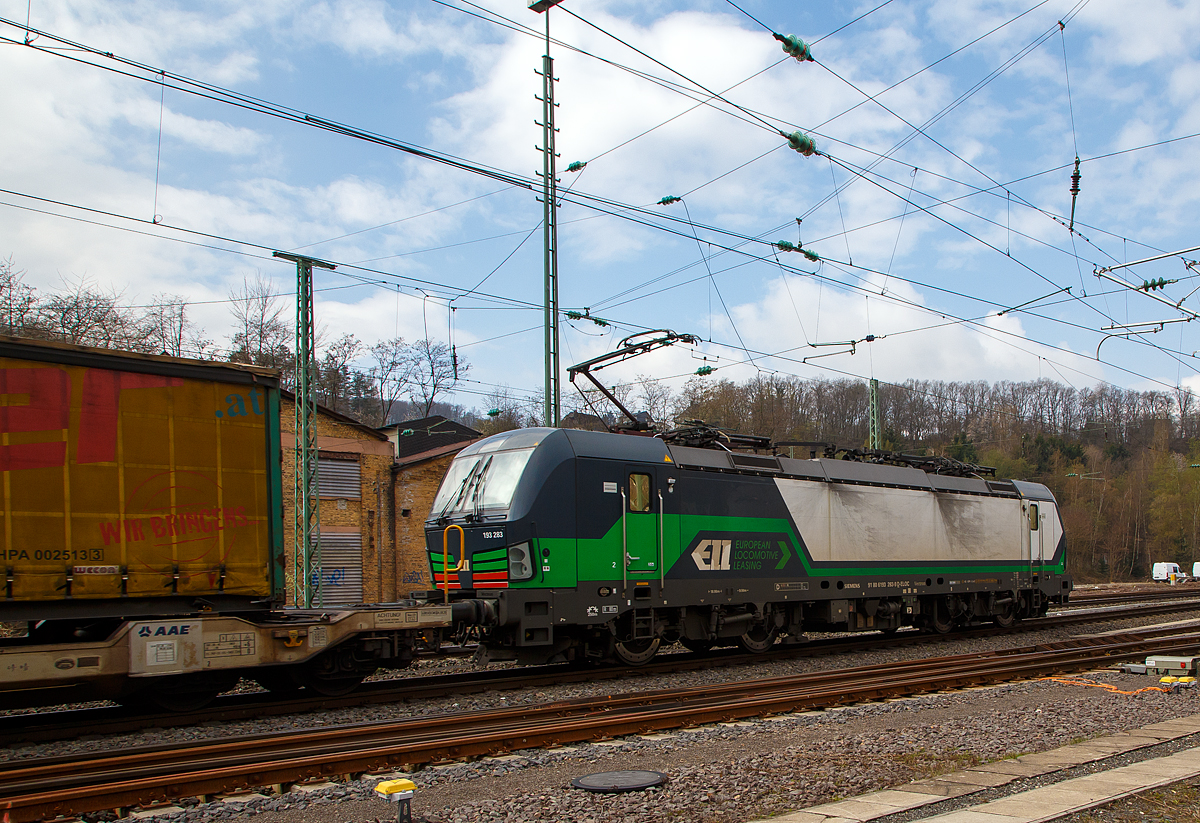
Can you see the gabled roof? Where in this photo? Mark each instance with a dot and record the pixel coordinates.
(427, 434)
(585, 421)
(374, 434)
(432, 454)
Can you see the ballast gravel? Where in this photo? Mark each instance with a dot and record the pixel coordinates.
(626, 683)
(745, 771)
(734, 772)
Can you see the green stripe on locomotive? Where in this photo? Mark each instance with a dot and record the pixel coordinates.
(599, 559)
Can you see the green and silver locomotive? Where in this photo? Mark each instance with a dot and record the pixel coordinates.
(559, 544)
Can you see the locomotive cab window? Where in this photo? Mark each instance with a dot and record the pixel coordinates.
(639, 492)
(1033, 517)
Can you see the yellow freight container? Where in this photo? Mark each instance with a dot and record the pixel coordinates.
(149, 483)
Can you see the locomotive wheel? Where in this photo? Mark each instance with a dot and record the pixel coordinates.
(941, 622)
(698, 646)
(758, 640)
(637, 652)
(1007, 616)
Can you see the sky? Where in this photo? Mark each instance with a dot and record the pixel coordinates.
(937, 202)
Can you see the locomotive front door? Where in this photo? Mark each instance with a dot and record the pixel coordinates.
(643, 522)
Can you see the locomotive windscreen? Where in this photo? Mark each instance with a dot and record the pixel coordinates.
(484, 480)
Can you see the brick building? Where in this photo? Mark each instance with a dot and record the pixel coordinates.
(424, 449)
(376, 487)
(357, 504)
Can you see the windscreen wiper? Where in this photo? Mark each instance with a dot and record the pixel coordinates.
(477, 494)
(455, 499)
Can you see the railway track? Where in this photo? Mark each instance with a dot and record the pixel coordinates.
(68, 723)
(1084, 600)
(37, 789)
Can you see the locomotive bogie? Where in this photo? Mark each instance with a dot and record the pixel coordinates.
(632, 543)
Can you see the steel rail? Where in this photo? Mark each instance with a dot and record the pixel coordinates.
(1176, 593)
(63, 724)
(32, 790)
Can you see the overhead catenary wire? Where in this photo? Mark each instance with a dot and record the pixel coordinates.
(980, 240)
(526, 183)
(764, 354)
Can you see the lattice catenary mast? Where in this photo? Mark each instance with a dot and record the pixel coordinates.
(306, 534)
(553, 408)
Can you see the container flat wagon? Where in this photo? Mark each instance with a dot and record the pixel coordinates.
(142, 530)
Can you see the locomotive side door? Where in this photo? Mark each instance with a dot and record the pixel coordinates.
(1034, 520)
(642, 520)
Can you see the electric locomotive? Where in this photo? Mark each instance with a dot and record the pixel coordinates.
(574, 545)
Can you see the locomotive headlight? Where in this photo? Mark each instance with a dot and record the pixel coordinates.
(520, 564)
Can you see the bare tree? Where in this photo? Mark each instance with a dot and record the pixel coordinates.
(391, 369)
(87, 316)
(655, 398)
(18, 302)
(504, 412)
(262, 335)
(435, 372)
(166, 328)
(334, 376)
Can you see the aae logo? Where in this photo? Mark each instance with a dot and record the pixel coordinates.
(713, 555)
(163, 631)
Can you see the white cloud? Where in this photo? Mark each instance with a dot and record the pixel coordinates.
(431, 76)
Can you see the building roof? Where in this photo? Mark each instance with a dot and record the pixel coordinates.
(415, 437)
(447, 449)
(374, 434)
(585, 421)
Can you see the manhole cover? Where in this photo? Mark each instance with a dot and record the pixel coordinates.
(627, 781)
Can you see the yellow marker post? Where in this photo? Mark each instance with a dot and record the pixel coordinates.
(402, 792)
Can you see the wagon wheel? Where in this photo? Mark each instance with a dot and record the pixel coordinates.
(331, 674)
(637, 652)
(758, 640)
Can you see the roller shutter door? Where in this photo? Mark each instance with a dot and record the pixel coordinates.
(339, 478)
(341, 569)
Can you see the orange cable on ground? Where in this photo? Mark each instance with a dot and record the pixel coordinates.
(1106, 686)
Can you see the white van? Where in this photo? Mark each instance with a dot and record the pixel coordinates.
(1161, 572)
(1196, 570)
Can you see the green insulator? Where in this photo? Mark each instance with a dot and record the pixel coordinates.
(795, 47)
(784, 245)
(407, 433)
(578, 165)
(574, 315)
(668, 200)
(705, 371)
(493, 413)
(801, 142)
(599, 321)
(811, 255)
